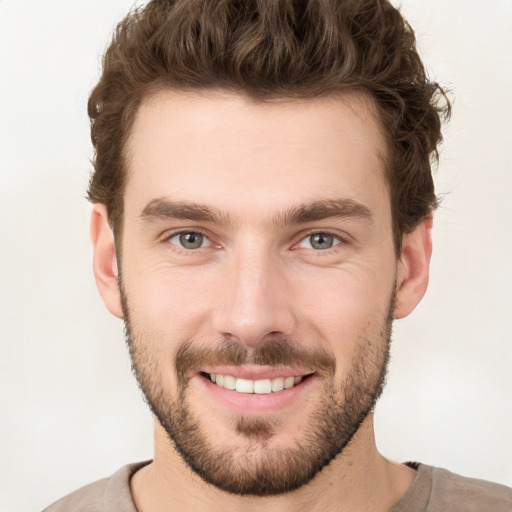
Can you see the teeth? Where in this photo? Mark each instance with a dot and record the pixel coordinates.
(260, 387)
(289, 382)
(278, 384)
(263, 387)
(229, 382)
(244, 385)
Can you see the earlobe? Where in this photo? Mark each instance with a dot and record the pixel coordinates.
(105, 260)
(413, 268)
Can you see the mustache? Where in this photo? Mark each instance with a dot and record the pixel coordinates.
(195, 355)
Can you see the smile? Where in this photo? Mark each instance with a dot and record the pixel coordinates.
(260, 387)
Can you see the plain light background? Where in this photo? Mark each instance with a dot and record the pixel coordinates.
(71, 411)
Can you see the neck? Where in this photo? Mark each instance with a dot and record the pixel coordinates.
(359, 479)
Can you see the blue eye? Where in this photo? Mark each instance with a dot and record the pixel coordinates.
(190, 240)
(319, 241)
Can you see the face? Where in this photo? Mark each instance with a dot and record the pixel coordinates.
(258, 280)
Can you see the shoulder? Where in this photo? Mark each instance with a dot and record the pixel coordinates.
(108, 494)
(456, 493)
(89, 497)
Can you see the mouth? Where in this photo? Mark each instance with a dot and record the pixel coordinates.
(255, 390)
(258, 386)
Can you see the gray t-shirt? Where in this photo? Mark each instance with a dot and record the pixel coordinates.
(433, 490)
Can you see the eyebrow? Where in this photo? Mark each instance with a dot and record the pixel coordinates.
(165, 209)
(324, 209)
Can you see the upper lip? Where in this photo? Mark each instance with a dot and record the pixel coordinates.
(255, 372)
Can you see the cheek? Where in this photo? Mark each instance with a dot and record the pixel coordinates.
(163, 316)
(345, 309)
(167, 303)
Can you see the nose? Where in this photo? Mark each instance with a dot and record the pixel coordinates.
(256, 299)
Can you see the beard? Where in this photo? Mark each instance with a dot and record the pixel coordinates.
(257, 468)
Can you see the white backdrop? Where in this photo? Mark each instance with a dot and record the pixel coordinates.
(71, 411)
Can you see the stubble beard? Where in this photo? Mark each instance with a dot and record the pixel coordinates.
(258, 469)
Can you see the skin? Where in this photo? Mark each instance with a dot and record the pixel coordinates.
(257, 274)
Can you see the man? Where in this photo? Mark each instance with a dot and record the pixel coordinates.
(263, 204)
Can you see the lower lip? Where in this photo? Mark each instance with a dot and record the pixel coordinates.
(253, 403)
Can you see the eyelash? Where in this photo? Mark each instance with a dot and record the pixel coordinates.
(338, 240)
(170, 236)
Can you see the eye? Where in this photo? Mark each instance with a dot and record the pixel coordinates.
(190, 240)
(319, 241)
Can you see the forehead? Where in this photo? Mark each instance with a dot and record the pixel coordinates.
(217, 148)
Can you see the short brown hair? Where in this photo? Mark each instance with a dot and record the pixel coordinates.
(271, 49)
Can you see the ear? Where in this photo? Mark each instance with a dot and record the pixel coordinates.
(413, 268)
(105, 260)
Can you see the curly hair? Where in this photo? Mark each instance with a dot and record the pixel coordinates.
(269, 50)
